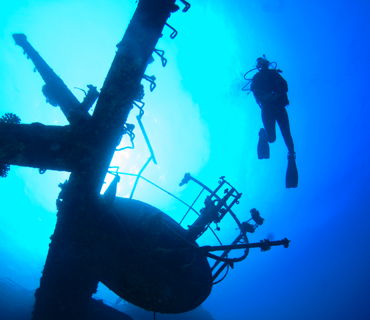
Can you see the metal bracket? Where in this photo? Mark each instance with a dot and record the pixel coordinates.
(187, 5)
(174, 31)
(151, 80)
(129, 130)
(160, 53)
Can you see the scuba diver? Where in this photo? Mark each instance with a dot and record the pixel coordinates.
(270, 91)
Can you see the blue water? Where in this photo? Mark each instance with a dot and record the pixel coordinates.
(199, 121)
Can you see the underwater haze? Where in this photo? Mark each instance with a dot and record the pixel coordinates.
(200, 121)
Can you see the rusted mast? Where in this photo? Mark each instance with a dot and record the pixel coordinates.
(70, 275)
(68, 280)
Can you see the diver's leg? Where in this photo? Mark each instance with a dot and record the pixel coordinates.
(263, 148)
(283, 122)
(266, 135)
(269, 120)
(291, 178)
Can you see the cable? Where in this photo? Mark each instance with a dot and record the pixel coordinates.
(146, 138)
(224, 276)
(186, 213)
(139, 175)
(214, 233)
(155, 185)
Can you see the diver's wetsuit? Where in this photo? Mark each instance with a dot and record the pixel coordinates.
(270, 90)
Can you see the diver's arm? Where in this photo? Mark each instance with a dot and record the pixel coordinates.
(258, 88)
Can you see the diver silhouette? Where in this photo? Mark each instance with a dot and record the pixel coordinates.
(270, 91)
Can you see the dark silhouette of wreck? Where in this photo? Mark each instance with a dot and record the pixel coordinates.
(133, 248)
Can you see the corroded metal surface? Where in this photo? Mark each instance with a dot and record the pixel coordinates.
(147, 259)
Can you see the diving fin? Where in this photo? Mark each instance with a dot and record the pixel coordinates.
(263, 148)
(291, 180)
